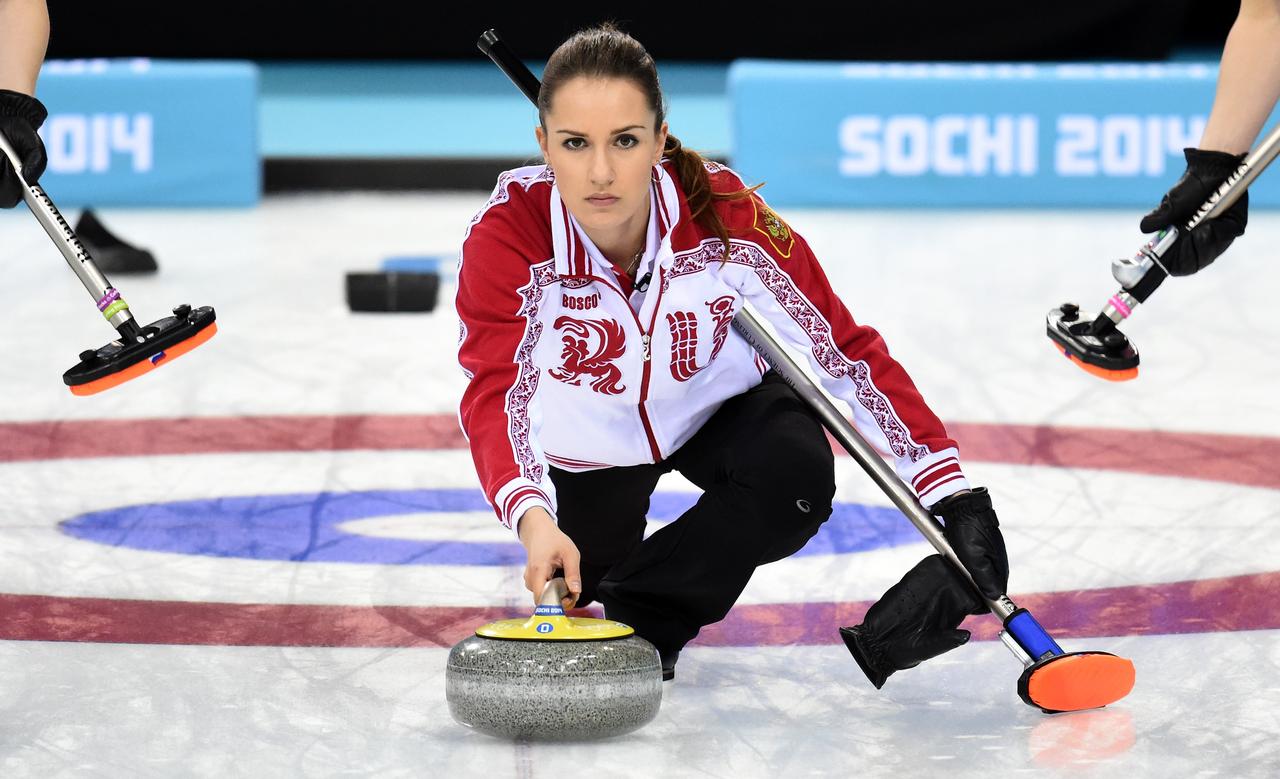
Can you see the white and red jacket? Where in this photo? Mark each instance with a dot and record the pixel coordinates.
(568, 366)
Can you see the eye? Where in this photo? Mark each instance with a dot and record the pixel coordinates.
(568, 144)
(627, 141)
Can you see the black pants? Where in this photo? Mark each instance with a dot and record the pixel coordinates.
(767, 475)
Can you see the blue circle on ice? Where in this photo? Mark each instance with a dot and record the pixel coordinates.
(309, 527)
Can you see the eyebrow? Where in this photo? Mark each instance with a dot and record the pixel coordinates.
(615, 132)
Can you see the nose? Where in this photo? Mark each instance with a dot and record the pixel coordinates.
(601, 168)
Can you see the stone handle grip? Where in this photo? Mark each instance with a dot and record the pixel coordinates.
(554, 593)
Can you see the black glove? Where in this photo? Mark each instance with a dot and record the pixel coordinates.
(1206, 170)
(971, 527)
(915, 620)
(20, 116)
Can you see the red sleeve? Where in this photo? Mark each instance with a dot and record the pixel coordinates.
(787, 286)
(497, 300)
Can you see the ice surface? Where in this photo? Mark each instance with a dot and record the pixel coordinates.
(338, 633)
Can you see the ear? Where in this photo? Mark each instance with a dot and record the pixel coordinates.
(662, 143)
(542, 140)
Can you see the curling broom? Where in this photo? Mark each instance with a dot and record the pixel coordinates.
(1096, 344)
(139, 349)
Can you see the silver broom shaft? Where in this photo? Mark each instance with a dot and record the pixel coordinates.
(880, 472)
(1131, 270)
(76, 255)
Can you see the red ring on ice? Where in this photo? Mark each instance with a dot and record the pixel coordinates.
(1247, 602)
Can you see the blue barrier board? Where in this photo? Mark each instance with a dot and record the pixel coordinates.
(946, 135)
(151, 133)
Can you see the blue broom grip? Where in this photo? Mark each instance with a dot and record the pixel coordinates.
(1031, 636)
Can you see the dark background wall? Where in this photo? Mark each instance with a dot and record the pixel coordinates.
(852, 30)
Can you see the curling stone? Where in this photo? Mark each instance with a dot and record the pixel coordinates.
(552, 677)
(403, 284)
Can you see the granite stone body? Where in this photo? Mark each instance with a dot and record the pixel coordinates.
(553, 690)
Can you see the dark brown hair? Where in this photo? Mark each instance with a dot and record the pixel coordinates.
(604, 51)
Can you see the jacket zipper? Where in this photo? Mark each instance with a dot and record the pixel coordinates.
(647, 361)
(645, 341)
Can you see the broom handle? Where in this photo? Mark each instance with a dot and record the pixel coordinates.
(1132, 272)
(1236, 184)
(77, 256)
(880, 472)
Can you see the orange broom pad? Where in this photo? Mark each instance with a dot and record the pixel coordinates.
(1121, 375)
(1084, 680)
(146, 365)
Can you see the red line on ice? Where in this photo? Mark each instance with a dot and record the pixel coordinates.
(1249, 602)
(21, 441)
(1236, 459)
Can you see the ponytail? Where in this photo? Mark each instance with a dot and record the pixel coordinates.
(691, 172)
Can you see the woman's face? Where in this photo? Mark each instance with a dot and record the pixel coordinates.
(601, 144)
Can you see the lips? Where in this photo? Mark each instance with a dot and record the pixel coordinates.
(603, 201)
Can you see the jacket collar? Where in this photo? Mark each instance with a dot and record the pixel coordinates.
(576, 255)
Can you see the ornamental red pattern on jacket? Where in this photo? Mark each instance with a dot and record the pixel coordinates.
(525, 240)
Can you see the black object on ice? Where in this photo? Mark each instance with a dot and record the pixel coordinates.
(392, 291)
(410, 283)
(110, 253)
